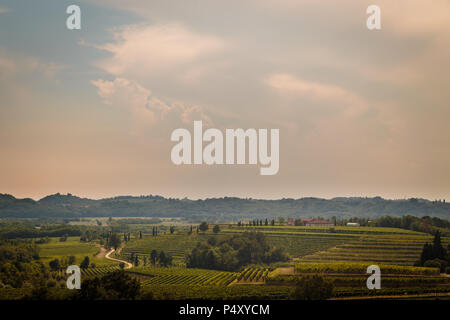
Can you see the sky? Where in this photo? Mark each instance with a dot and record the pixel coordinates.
(360, 112)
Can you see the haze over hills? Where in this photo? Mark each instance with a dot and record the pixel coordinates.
(217, 209)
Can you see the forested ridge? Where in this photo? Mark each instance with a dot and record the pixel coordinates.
(218, 209)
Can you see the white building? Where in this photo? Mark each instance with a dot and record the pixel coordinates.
(353, 224)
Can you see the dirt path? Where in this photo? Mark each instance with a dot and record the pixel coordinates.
(101, 253)
(127, 264)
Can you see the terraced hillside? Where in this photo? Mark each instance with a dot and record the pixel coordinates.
(308, 244)
(392, 249)
(349, 279)
(351, 244)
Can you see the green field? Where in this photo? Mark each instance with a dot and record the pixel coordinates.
(72, 247)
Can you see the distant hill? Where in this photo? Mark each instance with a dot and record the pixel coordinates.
(217, 209)
(64, 200)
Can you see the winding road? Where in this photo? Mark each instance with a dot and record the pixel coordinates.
(127, 264)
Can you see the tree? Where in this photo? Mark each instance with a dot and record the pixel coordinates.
(438, 251)
(54, 265)
(153, 257)
(434, 252)
(172, 229)
(216, 229)
(203, 226)
(427, 253)
(140, 234)
(114, 241)
(85, 263)
(313, 288)
(71, 260)
(162, 258)
(117, 285)
(436, 263)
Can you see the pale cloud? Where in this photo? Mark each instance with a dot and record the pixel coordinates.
(140, 49)
(289, 85)
(147, 56)
(27, 65)
(145, 108)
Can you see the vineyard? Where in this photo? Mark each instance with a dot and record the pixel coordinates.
(361, 268)
(334, 229)
(174, 245)
(346, 244)
(341, 254)
(87, 273)
(183, 276)
(252, 275)
(387, 249)
(240, 292)
(199, 277)
(349, 279)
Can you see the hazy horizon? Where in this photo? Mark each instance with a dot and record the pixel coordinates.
(215, 197)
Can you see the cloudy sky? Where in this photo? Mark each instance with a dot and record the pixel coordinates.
(90, 111)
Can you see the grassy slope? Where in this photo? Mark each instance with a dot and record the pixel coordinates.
(72, 247)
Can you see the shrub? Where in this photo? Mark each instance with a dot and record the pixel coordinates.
(116, 285)
(436, 263)
(313, 288)
(51, 283)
